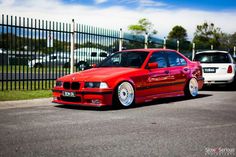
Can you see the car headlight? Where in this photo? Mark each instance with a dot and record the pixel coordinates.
(95, 85)
(59, 83)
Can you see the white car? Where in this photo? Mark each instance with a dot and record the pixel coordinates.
(54, 59)
(83, 58)
(218, 66)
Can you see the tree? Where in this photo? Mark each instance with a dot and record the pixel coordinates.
(142, 27)
(228, 41)
(177, 33)
(207, 35)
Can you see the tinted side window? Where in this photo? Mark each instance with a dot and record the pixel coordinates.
(94, 54)
(175, 59)
(159, 58)
(103, 54)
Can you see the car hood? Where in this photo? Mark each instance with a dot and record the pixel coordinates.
(99, 74)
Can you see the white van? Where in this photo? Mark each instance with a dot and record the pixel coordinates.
(84, 57)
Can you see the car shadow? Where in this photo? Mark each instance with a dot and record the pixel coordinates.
(112, 108)
(220, 88)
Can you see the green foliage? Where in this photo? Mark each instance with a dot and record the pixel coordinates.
(177, 33)
(207, 35)
(228, 41)
(143, 26)
(12, 42)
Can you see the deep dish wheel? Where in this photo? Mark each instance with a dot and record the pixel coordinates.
(125, 94)
(192, 88)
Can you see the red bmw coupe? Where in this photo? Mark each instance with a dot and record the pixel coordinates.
(131, 77)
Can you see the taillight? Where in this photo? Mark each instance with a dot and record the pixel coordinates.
(230, 69)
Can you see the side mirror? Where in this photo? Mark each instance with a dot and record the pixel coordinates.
(153, 65)
(94, 65)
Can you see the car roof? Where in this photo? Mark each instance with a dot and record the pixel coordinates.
(147, 50)
(212, 51)
(90, 49)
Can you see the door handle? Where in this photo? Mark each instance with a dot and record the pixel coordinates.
(186, 69)
(167, 72)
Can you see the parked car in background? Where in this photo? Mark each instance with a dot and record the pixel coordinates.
(131, 76)
(218, 66)
(83, 58)
(54, 59)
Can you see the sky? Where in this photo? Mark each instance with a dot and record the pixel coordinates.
(116, 14)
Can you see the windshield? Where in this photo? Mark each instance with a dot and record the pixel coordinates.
(125, 59)
(213, 58)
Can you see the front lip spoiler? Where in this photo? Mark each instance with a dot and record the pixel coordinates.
(86, 92)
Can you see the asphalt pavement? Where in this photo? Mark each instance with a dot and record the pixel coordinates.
(180, 127)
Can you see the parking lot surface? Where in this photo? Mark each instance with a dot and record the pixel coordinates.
(179, 127)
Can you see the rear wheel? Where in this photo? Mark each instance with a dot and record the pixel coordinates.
(66, 65)
(38, 65)
(191, 89)
(125, 94)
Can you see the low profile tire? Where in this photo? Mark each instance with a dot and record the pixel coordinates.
(124, 95)
(191, 89)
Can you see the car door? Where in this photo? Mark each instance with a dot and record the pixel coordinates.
(158, 79)
(178, 71)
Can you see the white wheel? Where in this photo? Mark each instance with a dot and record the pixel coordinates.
(125, 93)
(193, 87)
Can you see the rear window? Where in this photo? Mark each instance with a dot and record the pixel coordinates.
(213, 58)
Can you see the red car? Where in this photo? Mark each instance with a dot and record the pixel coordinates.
(131, 77)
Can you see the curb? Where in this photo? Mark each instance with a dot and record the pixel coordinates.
(26, 103)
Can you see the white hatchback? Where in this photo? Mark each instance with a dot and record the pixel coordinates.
(218, 66)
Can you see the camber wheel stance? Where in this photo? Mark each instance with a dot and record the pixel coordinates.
(125, 94)
(191, 89)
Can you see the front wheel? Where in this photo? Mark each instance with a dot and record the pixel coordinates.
(191, 89)
(125, 94)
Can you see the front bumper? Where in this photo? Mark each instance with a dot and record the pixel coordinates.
(84, 98)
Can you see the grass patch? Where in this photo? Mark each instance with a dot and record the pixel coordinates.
(27, 85)
(24, 95)
(25, 69)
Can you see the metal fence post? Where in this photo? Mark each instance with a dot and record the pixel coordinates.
(164, 44)
(120, 40)
(146, 41)
(234, 51)
(193, 51)
(72, 47)
(177, 45)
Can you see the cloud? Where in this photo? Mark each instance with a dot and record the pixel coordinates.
(150, 3)
(116, 17)
(6, 2)
(100, 1)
